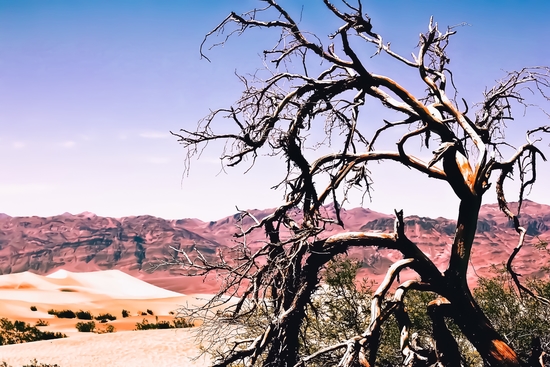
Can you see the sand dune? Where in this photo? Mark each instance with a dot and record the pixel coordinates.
(149, 348)
(98, 292)
(113, 283)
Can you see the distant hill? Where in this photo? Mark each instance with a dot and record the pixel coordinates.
(86, 242)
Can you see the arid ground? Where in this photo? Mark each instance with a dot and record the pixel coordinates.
(97, 292)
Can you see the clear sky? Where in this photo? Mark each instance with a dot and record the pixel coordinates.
(89, 90)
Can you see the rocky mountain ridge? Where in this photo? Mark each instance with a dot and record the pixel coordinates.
(135, 245)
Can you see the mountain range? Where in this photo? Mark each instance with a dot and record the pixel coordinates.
(136, 245)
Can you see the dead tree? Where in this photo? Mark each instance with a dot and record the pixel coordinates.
(316, 93)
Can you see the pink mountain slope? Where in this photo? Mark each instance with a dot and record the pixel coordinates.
(135, 245)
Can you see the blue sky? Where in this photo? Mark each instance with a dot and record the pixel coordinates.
(90, 89)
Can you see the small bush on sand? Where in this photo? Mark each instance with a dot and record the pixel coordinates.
(41, 322)
(64, 314)
(34, 363)
(33, 308)
(180, 323)
(85, 327)
(107, 329)
(104, 317)
(150, 312)
(125, 313)
(17, 332)
(84, 315)
(176, 324)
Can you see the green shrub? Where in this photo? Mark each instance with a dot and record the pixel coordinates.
(84, 315)
(180, 323)
(177, 323)
(85, 327)
(125, 313)
(107, 329)
(104, 317)
(34, 363)
(145, 325)
(33, 308)
(64, 314)
(41, 322)
(20, 332)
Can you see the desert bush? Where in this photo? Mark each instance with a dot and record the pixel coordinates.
(84, 315)
(33, 308)
(125, 313)
(85, 327)
(150, 312)
(41, 322)
(106, 329)
(521, 318)
(176, 324)
(146, 325)
(63, 314)
(103, 317)
(34, 363)
(20, 332)
(142, 313)
(180, 323)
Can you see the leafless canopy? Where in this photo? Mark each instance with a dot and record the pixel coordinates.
(310, 94)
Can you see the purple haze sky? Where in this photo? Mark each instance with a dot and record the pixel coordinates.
(89, 90)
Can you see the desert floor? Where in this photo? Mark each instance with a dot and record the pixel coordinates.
(163, 348)
(97, 292)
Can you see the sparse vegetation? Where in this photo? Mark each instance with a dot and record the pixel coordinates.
(175, 324)
(64, 314)
(180, 323)
(340, 310)
(146, 325)
(85, 327)
(125, 313)
(104, 317)
(84, 315)
(107, 329)
(34, 363)
(110, 329)
(150, 312)
(41, 322)
(16, 332)
(33, 308)
(90, 327)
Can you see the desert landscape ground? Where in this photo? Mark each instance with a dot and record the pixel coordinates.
(98, 292)
(105, 265)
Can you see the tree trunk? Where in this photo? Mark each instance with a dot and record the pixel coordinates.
(466, 313)
(283, 352)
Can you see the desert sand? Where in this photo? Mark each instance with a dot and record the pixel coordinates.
(97, 292)
(163, 348)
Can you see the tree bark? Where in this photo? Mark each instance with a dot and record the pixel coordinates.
(466, 312)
